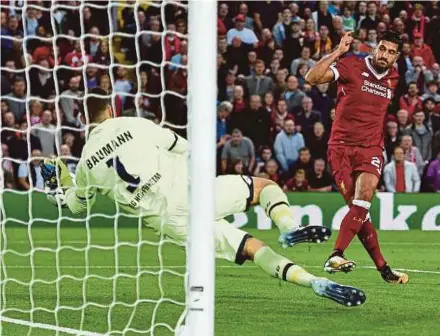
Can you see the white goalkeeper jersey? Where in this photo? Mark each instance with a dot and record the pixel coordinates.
(131, 160)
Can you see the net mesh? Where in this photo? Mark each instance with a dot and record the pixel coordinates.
(102, 273)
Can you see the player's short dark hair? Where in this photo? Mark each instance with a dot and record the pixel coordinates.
(96, 103)
(393, 37)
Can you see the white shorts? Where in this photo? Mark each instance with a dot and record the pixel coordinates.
(233, 194)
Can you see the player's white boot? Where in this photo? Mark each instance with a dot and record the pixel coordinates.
(339, 264)
(344, 295)
(306, 234)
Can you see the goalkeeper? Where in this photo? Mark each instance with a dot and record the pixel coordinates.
(143, 168)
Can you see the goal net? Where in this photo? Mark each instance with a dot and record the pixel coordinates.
(104, 273)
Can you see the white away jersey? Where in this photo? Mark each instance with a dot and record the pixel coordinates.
(131, 160)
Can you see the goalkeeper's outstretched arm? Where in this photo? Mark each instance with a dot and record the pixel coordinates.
(81, 196)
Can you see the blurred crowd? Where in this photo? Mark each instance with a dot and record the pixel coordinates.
(270, 123)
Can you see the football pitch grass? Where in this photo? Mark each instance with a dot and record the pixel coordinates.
(248, 302)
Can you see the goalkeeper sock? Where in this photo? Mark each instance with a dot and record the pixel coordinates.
(282, 268)
(368, 237)
(275, 204)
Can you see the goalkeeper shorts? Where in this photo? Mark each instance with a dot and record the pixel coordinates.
(234, 194)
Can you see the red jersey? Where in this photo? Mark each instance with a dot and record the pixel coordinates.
(362, 102)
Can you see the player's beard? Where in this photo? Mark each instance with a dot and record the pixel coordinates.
(379, 68)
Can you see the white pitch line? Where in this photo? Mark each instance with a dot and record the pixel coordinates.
(13, 242)
(142, 267)
(49, 327)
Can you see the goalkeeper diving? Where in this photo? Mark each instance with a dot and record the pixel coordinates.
(144, 169)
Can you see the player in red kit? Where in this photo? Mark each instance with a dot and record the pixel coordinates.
(365, 89)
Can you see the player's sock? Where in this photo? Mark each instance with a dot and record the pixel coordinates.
(351, 224)
(368, 236)
(275, 204)
(282, 268)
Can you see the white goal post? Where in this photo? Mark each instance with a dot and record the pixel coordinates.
(67, 271)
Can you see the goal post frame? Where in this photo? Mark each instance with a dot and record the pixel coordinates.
(202, 93)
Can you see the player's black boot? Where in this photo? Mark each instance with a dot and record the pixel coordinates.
(344, 295)
(307, 234)
(392, 276)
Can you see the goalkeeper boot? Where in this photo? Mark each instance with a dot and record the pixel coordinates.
(337, 263)
(392, 276)
(307, 234)
(344, 295)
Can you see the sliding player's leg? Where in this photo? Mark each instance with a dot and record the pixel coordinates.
(252, 191)
(238, 246)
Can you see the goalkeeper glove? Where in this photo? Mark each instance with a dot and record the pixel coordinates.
(49, 173)
(54, 194)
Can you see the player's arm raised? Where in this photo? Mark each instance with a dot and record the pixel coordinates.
(321, 72)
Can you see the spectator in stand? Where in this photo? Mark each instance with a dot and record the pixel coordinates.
(301, 74)
(239, 103)
(223, 15)
(304, 59)
(348, 21)
(411, 102)
(288, 142)
(399, 26)
(310, 35)
(17, 98)
(248, 22)
(404, 62)
(265, 156)
(177, 58)
(12, 30)
(236, 167)
(297, 183)
(322, 16)
(172, 42)
(281, 29)
(432, 92)
(42, 81)
(304, 161)
(433, 175)
(36, 109)
(8, 169)
(31, 21)
(361, 13)
(122, 84)
(92, 77)
(269, 102)
(391, 139)
(400, 175)
(419, 48)
(323, 44)
(238, 147)
(256, 123)
(46, 133)
(105, 83)
(337, 30)
(317, 142)
(223, 119)
(417, 25)
(271, 168)
(419, 74)
(403, 122)
(412, 153)
(75, 58)
(245, 34)
(92, 44)
(322, 102)
(18, 142)
(9, 122)
(279, 115)
(7, 76)
(371, 20)
(293, 95)
(422, 135)
(70, 105)
(381, 29)
(371, 41)
(435, 70)
(32, 179)
(307, 117)
(280, 83)
(319, 179)
(230, 85)
(356, 49)
(293, 43)
(66, 156)
(258, 83)
(432, 114)
(103, 55)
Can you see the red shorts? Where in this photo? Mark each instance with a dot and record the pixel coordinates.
(346, 161)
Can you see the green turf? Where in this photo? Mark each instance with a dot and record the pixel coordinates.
(247, 301)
